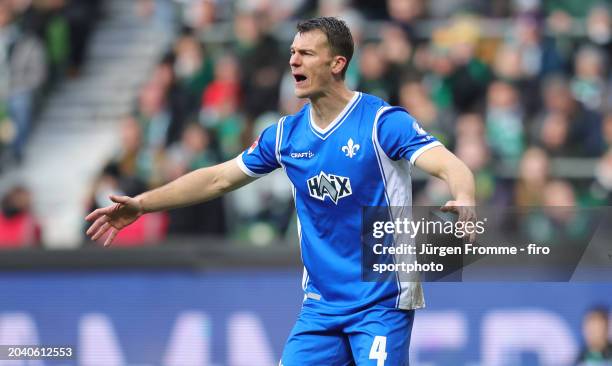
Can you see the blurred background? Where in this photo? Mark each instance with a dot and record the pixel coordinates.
(121, 96)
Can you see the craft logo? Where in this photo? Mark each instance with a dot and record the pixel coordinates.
(305, 155)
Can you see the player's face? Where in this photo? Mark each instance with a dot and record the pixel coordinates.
(311, 63)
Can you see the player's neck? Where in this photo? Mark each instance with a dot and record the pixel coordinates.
(326, 107)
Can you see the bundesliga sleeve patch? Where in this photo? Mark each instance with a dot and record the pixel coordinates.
(253, 145)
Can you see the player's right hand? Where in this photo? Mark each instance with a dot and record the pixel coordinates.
(113, 218)
(466, 211)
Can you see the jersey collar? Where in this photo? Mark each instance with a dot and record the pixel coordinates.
(323, 133)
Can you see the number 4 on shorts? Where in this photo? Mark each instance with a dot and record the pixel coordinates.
(377, 352)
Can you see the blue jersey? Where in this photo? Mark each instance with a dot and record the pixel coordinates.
(363, 158)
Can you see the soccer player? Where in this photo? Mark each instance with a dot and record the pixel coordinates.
(344, 150)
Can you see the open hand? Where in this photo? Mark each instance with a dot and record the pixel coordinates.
(465, 210)
(113, 218)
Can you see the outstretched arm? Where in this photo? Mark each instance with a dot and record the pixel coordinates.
(441, 163)
(198, 186)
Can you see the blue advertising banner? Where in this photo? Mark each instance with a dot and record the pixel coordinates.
(242, 318)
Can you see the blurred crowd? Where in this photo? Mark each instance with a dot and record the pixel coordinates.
(515, 88)
(518, 89)
(41, 42)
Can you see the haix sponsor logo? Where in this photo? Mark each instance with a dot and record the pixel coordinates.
(330, 185)
(302, 155)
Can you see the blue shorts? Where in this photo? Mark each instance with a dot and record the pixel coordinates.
(376, 336)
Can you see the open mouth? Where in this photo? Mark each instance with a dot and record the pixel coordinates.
(299, 78)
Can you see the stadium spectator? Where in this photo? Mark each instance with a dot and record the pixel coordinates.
(597, 349)
(81, 16)
(416, 98)
(193, 68)
(374, 76)
(129, 161)
(507, 63)
(199, 14)
(397, 49)
(538, 54)
(470, 76)
(193, 152)
(405, 11)
(507, 66)
(220, 103)
(554, 134)
(177, 98)
(589, 85)
(475, 154)
(439, 68)
(224, 90)
(396, 46)
(18, 225)
(585, 125)
(559, 193)
(261, 64)
(533, 175)
(599, 28)
(558, 221)
(49, 20)
(570, 8)
(22, 73)
(154, 117)
(444, 9)
(525, 58)
(601, 188)
(504, 121)
(469, 126)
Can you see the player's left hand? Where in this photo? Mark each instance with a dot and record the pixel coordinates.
(466, 211)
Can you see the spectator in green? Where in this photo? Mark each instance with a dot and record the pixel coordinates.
(597, 349)
(193, 68)
(504, 120)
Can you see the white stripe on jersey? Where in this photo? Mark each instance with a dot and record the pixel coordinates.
(398, 191)
(245, 169)
(279, 138)
(422, 149)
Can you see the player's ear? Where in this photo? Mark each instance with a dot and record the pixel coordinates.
(338, 64)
